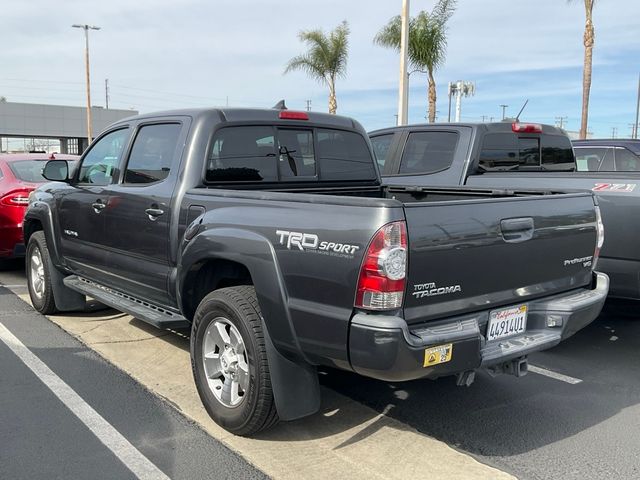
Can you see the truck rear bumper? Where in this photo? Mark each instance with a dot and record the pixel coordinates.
(386, 348)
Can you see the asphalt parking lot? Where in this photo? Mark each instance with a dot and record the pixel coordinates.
(577, 417)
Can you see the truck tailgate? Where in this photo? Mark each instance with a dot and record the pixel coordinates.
(476, 254)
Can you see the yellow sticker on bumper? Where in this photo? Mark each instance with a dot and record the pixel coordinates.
(436, 355)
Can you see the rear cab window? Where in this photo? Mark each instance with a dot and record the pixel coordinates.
(287, 154)
(508, 151)
(28, 170)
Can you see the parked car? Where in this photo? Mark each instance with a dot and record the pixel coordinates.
(268, 233)
(614, 155)
(515, 156)
(19, 176)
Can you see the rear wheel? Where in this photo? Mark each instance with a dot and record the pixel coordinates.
(38, 266)
(229, 361)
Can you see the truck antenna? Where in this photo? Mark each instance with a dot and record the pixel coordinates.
(520, 112)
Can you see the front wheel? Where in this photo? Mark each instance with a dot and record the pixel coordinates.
(38, 266)
(229, 361)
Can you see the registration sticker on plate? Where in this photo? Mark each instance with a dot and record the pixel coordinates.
(507, 322)
(436, 355)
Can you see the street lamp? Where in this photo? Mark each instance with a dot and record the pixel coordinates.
(86, 29)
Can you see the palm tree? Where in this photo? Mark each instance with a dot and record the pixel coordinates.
(588, 40)
(427, 42)
(326, 58)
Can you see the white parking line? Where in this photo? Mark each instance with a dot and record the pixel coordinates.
(554, 375)
(12, 286)
(139, 465)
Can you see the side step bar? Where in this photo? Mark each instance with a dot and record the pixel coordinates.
(152, 314)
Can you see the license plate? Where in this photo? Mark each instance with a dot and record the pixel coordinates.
(436, 355)
(507, 322)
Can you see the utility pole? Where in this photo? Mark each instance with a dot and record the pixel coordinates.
(403, 87)
(504, 109)
(614, 132)
(86, 29)
(560, 121)
(308, 105)
(484, 117)
(450, 92)
(106, 93)
(635, 130)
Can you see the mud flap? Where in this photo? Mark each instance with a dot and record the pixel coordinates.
(296, 389)
(66, 300)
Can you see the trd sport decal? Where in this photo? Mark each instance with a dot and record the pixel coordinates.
(310, 242)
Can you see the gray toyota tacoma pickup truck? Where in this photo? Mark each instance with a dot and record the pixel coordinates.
(268, 233)
(519, 155)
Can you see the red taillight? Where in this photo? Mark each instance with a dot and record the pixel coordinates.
(526, 127)
(16, 198)
(290, 115)
(382, 276)
(599, 238)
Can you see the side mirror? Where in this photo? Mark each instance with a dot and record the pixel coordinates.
(56, 171)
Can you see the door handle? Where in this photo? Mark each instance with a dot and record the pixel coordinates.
(98, 206)
(154, 213)
(516, 230)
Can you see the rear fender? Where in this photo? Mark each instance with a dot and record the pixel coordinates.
(294, 380)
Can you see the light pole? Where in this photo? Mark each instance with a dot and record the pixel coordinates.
(403, 87)
(86, 29)
(459, 89)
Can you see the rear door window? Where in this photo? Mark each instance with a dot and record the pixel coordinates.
(152, 153)
(626, 161)
(428, 152)
(381, 145)
(589, 159)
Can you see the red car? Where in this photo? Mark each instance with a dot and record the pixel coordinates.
(19, 175)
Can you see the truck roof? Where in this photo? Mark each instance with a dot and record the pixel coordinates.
(492, 127)
(250, 114)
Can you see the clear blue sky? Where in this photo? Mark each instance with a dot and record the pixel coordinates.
(161, 54)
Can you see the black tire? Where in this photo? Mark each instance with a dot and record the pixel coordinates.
(257, 410)
(43, 303)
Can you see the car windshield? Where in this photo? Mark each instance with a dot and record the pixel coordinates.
(28, 170)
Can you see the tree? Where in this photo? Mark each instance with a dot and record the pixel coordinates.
(427, 42)
(588, 40)
(325, 59)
